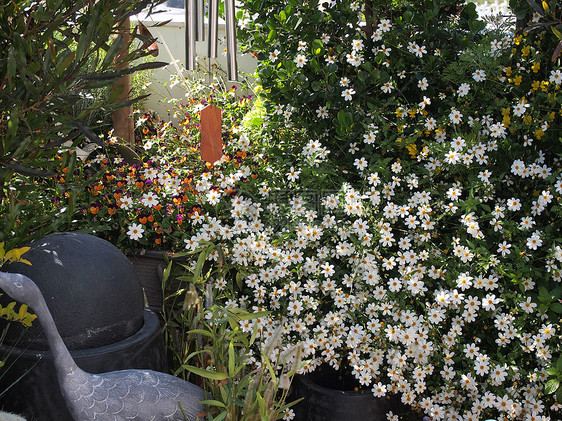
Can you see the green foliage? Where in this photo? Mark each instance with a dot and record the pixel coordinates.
(213, 346)
(55, 57)
(375, 108)
(554, 384)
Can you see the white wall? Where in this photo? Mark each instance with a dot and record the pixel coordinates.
(171, 43)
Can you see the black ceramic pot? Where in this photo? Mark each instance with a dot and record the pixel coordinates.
(96, 300)
(37, 394)
(329, 395)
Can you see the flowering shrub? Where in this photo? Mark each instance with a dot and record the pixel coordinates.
(407, 223)
(149, 200)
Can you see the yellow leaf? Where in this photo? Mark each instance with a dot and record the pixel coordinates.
(29, 319)
(15, 254)
(24, 261)
(23, 311)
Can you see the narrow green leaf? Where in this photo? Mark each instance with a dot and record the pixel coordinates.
(65, 62)
(213, 375)
(221, 416)
(213, 402)
(12, 66)
(231, 360)
(112, 51)
(201, 332)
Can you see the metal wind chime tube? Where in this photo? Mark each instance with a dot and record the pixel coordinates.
(213, 28)
(190, 32)
(194, 20)
(232, 66)
(200, 20)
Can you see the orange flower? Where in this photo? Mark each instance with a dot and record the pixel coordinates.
(142, 220)
(94, 208)
(158, 207)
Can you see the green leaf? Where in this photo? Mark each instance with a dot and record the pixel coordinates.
(231, 360)
(551, 386)
(201, 332)
(221, 416)
(240, 314)
(213, 375)
(12, 65)
(112, 51)
(345, 118)
(213, 402)
(65, 62)
(556, 307)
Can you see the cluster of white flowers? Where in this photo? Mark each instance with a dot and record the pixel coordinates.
(421, 272)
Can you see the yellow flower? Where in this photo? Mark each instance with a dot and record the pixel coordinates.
(518, 80)
(505, 111)
(399, 112)
(506, 121)
(508, 71)
(535, 85)
(536, 67)
(412, 149)
(517, 39)
(544, 86)
(539, 134)
(552, 115)
(527, 119)
(526, 50)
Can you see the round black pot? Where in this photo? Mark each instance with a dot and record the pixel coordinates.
(329, 395)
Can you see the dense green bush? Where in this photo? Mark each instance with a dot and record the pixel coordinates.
(55, 58)
(407, 223)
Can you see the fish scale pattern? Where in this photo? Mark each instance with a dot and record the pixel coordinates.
(129, 395)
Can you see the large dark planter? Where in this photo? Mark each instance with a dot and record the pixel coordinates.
(330, 396)
(96, 300)
(149, 266)
(91, 288)
(37, 395)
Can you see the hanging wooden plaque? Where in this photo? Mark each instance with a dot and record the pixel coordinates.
(211, 134)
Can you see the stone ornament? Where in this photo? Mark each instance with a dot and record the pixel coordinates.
(141, 395)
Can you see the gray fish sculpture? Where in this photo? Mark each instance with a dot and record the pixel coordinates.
(141, 395)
